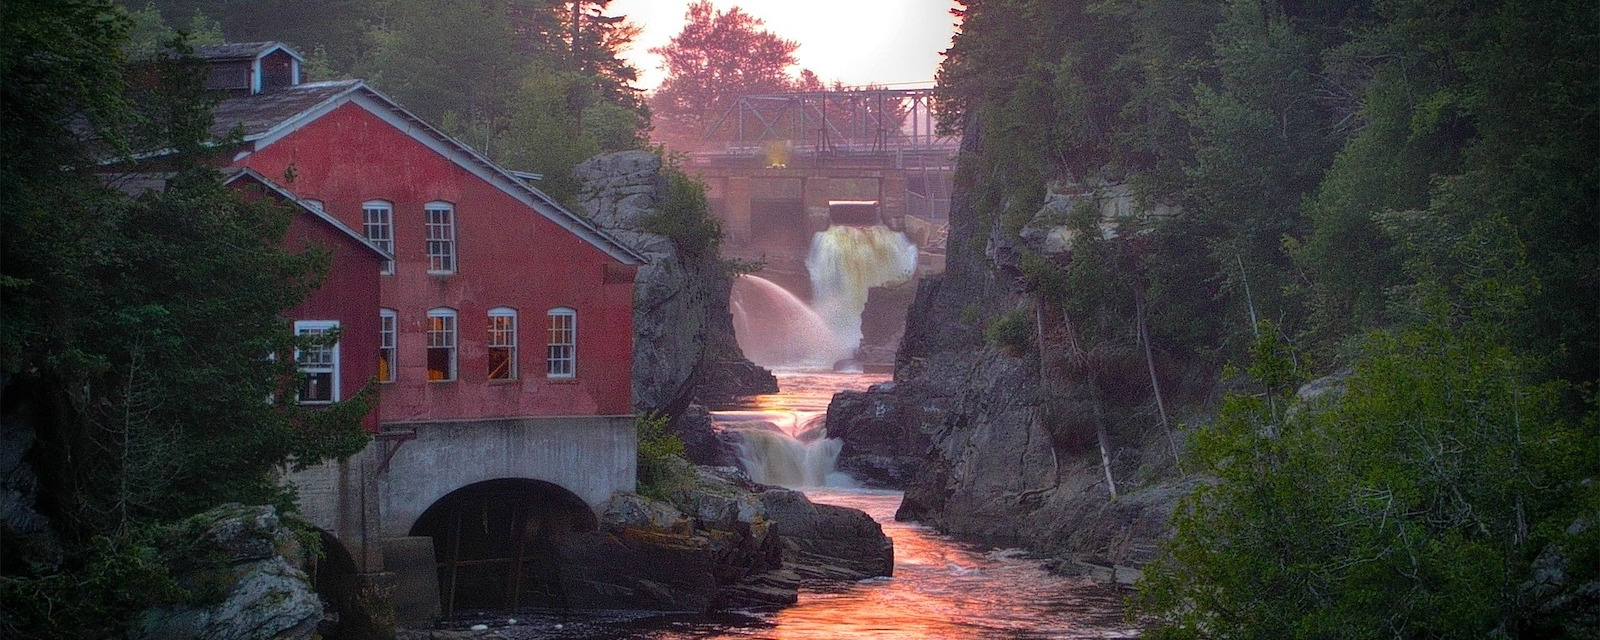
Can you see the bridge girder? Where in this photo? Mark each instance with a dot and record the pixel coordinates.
(852, 122)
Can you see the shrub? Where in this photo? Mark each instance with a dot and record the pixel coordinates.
(662, 467)
(1011, 332)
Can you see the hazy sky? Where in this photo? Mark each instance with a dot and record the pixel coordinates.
(889, 42)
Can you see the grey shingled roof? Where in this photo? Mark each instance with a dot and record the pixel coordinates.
(233, 50)
(259, 113)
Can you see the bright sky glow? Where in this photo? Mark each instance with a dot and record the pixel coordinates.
(857, 42)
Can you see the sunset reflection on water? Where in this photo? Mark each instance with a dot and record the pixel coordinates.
(941, 588)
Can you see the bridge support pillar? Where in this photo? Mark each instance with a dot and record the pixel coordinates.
(737, 205)
(342, 499)
(816, 193)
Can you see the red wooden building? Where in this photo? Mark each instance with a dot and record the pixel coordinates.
(343, 302)
(498, 304)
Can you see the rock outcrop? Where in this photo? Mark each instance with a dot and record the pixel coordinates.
(32, 547)
(724, 543)
(683, 331)
(244, 565)
(882, 443)
(1011, 455)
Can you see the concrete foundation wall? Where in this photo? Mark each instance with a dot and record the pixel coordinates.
(341, 498)
(593, 457)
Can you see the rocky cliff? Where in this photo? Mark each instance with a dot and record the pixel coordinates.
(683, 333)
(1010, 454)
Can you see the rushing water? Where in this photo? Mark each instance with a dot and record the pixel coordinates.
(941, 588)
(847, 261)
(778, 330)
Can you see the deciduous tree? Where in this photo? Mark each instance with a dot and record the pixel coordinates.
(719, 56)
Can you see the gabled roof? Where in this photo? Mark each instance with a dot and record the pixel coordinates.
(268, 117)
(242, 50)
(235, 174)
(259, 114)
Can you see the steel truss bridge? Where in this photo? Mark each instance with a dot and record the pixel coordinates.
(889, 133)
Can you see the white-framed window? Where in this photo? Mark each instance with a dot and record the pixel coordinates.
(318, 360)
(502, 343)
(377, 221)
(388, 344)
(441, 345)
(441, 223)
(563, 354)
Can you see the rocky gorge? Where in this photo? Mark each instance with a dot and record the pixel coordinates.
(999, 445)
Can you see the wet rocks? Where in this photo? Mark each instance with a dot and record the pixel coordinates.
(703, 443)
(882, 445)
(725, 543)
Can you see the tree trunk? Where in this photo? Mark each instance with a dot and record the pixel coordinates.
(1155, 383)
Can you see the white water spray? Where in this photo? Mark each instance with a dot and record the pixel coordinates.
(775, 329)
(786, 448)
(845, 262)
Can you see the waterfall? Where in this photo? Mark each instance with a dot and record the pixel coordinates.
(846, 261)
(787, 449)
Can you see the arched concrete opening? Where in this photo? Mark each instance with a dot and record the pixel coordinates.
(498, 543)
(338, 581)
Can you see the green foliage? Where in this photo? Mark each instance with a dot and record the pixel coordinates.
(121, 574)
(148, 382)
(663, 471)
(684, 216)
(1011, 332)
(1420, 168)
(1408, 506)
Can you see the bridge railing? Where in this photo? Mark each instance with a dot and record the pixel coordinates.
(844, 122)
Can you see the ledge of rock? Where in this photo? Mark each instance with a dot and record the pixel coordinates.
(724, 543)
(882, 446)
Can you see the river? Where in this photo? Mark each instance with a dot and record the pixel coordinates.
(941, 588)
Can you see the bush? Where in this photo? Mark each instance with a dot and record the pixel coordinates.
(685, 216)
(662, 467)
(1011, 332)
(1409, 507)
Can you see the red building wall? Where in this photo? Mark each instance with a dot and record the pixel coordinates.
(507, 256)
(349, 294)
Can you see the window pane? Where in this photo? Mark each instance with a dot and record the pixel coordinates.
(500, 363)
(378, 224)
(441, 362)
(318, 387)
(562, 351)
(386, 347)
(502, 344)
(441, 239)
(441, 346)
(318, 362)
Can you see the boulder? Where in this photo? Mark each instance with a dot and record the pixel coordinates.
(683, 331)
(703, 442)
(244, 565)
(724, 543)
(827, 542)
(882, 445)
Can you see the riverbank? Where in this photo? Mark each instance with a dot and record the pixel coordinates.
(941, 588)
